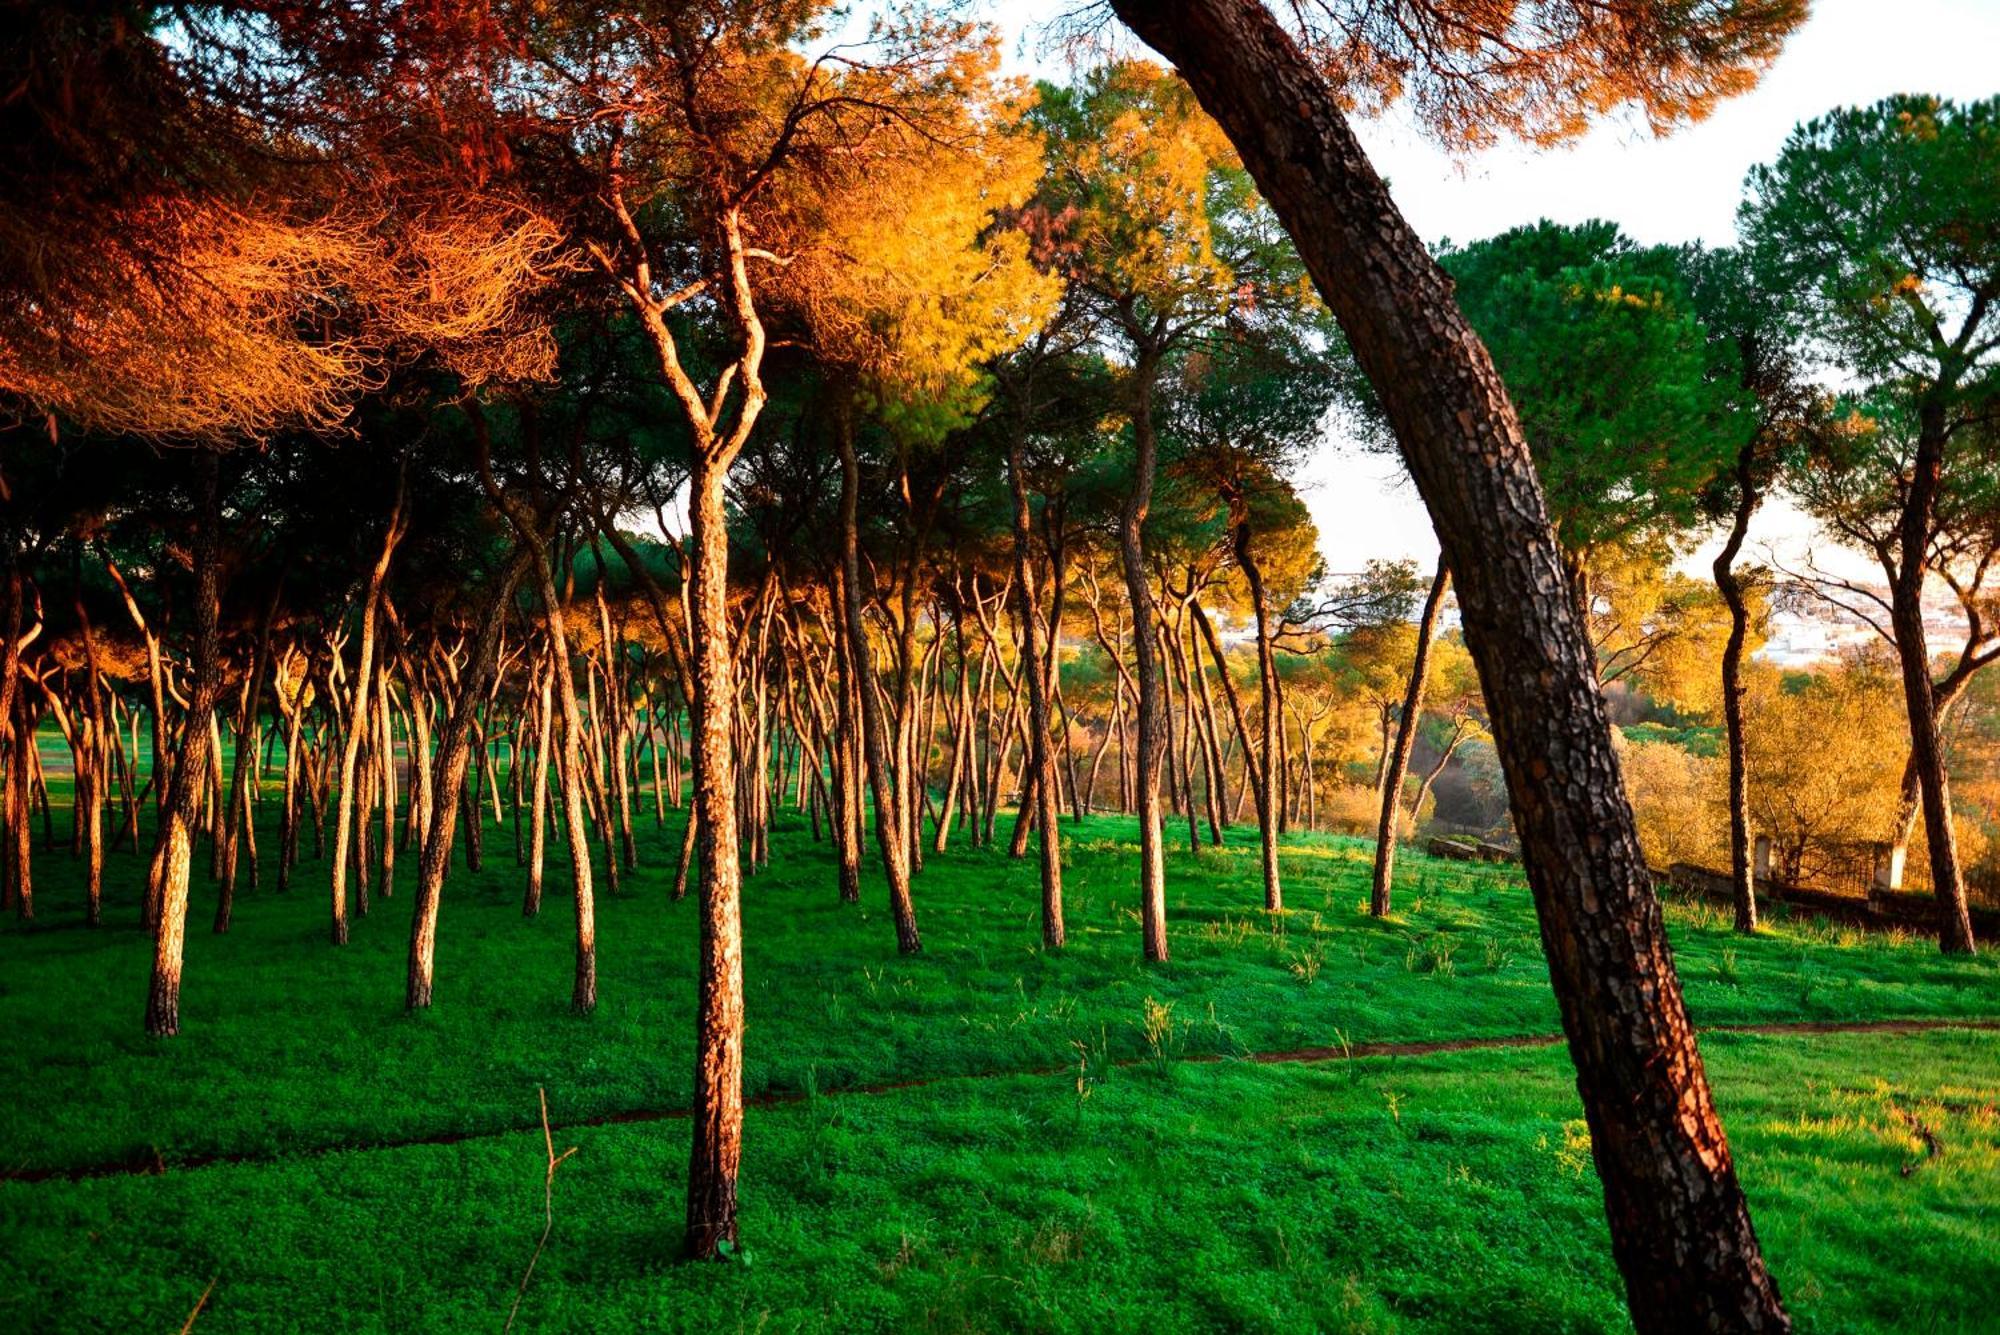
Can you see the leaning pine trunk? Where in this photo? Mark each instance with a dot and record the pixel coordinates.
(1906, 618)
(1680, 1228)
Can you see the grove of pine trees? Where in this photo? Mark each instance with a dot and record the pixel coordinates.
(453, 434)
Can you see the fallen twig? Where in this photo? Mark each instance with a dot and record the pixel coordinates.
(548, 1208)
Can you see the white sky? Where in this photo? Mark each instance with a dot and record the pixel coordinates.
(1681, 188)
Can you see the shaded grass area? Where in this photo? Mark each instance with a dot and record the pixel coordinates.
(290, 1044)
(1441, 1193)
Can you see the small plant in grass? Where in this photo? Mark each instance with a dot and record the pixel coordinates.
(1725, 969)
(1305, 964)
(1808, 982)
(555, 1161)
(1231, 931)
(1433, 954)
(1163, 1035)
(1700, 914)
(1093, 1066)
(1574, 1156)
(1498, 956)
(821, 1117)
(1221, 1038)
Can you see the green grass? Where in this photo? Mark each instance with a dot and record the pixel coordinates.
(1436, 1193)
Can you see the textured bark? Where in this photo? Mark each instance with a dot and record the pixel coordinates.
(1679, 1225)
(1399, 756)
(454, 754)
(1152, 747)
(1906, 618)
(717, 1146)
(173, 853)
(1033, 667)
(888, 824)
(1742, 880)
(1267, 687)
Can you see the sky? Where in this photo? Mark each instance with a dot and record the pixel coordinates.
(1681, 188)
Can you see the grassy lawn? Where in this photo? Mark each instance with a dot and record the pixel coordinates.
(1057, 1191)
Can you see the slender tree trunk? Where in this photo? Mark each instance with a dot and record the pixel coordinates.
(569, 756)
(1041, 762)
(717, 1144)
(538, 806)
(1906, 618)
(1742, 879)
(343, 818)
(1264, 778)
(1152, 747)
(174, 850)
(888, 831)
(1406, 739)
(454, 755)
(1679, 1224)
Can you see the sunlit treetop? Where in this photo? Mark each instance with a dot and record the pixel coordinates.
(917, 282)
(1880, 226)
(1146, 206)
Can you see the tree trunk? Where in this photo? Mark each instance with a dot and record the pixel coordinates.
(454, 754)
(1399, 758)
(1263, 784)
(1742, 878)
(1679, 1224)
(173, 852)
(1906, 618)
(538, 806)
(1039, 757)
(1152, 742)
(717, 1119)
(888, 832)
(343, 819)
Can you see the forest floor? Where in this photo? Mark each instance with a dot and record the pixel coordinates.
(1309, 1121)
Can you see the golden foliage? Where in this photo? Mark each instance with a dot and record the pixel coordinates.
(231, 321)
(1825, 756)
(917, 286)
(1542, 70)
(1678, 798)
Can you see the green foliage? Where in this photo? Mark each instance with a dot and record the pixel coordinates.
(1881, 225)
(1704, 740)
(1608, 368)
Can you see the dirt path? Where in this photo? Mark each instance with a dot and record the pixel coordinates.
(157, 1166)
